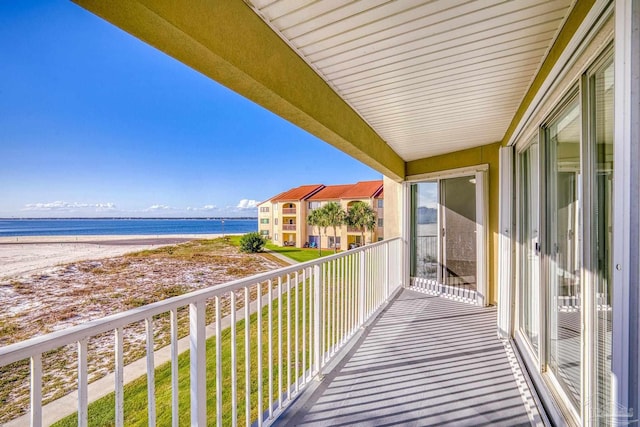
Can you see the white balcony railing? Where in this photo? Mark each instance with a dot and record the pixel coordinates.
(299, 317)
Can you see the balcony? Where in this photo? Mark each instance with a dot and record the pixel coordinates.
(288, 211)
(387, 354)
(289, 227)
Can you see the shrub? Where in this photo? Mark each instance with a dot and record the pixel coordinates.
(252, 242)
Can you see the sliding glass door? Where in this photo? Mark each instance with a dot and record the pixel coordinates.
(529, 244)
(448, 217)
(564, 249)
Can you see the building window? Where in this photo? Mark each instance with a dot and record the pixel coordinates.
(380, 222)
(275, 221)
(275, 237)
(264, 232)
(334, 244)
(314, 205)
(264, 209)
(380, 203)
(264, 220)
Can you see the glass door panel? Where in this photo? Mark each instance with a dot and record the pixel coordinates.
(602, 84)
(564, 250)
(424, 262)
(459, 249)
(529, 248)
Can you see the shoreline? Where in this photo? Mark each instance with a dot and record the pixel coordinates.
(26, 255)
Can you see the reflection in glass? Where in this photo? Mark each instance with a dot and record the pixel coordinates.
(424, 262)
(563, 198)
(528, 205)
(602, 84)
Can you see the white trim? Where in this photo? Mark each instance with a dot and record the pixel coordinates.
(448, 173)
(570, 54)
(505, 244)
(405, 224)
(482, 237)
(626, 197)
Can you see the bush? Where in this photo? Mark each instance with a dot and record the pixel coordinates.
(252, 242)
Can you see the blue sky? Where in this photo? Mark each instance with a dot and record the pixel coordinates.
(94, 122)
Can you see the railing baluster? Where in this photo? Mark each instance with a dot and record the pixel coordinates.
(297, 337)
(279, 393)
(218, 362)
(318, 312)
(234, 380)
(247, 355)
(304, 326)
(151, 377)
(270, 342)
(175, 414)
(334, 298)
(83, 398)
(361, 288)
(198, 367)
(288, 337)
(342, 301)
(36, 390)
(259, 352)
(119, 377)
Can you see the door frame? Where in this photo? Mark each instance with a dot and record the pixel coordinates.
(481, 174)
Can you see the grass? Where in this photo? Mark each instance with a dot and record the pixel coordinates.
(296, 254)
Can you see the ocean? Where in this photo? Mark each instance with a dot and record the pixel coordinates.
(112, 226)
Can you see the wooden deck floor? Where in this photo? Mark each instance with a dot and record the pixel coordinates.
(424, 361)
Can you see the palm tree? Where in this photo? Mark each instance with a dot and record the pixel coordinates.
(335, 217)
(362, 217)
(317, 219)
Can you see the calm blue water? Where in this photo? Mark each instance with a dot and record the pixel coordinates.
(79, 227)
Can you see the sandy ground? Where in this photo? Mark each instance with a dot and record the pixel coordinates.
(20, 256)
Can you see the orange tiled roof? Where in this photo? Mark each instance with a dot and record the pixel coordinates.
(297, 193)
(362, 190)
(330, 192)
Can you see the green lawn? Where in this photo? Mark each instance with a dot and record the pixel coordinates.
(296, 254)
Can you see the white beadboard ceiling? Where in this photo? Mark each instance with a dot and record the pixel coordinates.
(430, 77)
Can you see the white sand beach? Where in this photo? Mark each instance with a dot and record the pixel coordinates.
(24, 255)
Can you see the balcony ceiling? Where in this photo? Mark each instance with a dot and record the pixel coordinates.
(430, 77)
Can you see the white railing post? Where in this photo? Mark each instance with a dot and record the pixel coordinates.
(36, 390)
(362, 281)
(198, 370)
(175, 415)
(387, 266)
(151, 377)
(119, 377)
(83, 398)
(317, 318)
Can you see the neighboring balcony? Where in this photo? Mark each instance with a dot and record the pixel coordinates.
(289, 227)
(339, 334)
(288, 211)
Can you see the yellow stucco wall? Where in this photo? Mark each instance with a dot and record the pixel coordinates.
(487, 154)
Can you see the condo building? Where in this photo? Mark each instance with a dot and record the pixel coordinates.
(283, 218)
